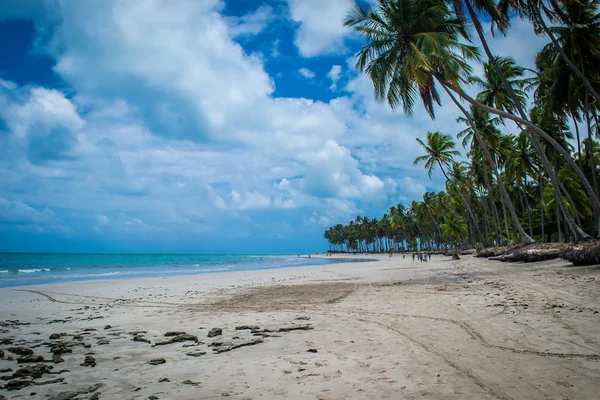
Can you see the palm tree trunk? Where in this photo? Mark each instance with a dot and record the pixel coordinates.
(513, 214)
(476, 227)
(579, 233)
(536, 143)
(528, 206)
(591, 148)
(578, 142)
(565, 154)
(542, 205)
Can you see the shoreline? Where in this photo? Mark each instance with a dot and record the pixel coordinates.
(326, 260)
(393, 328)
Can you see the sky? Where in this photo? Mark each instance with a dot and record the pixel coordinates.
(202, 126)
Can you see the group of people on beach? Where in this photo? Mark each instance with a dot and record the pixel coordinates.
(422, 257)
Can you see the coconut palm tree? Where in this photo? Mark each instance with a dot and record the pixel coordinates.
(440, 151)
(454, 229)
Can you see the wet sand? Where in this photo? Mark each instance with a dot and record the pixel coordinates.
(396, 329)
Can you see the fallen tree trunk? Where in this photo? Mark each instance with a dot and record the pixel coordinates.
(585, 254)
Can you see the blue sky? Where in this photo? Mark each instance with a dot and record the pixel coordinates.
(197, 126)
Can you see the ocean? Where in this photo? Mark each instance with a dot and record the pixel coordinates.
(21, 269)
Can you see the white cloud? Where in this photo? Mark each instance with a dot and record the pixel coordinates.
(307, 73)
(321, 30)
(250, 24)
(334, 75)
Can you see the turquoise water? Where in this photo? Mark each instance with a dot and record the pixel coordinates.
(19, 269)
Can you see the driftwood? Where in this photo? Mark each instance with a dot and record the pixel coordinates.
(228, 346)
(584, 254)
(467, 252)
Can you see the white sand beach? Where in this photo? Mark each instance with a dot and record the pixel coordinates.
(391, 329)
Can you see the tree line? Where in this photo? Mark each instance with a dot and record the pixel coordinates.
(537, 183)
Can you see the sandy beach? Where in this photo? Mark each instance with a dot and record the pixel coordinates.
(394, 328)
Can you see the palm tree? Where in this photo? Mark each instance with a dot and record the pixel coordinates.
(454, 229)
(440, 151)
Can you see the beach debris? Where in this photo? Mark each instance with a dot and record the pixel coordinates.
(153, 397)
(90, 330)
(140, 339)
(55, 336)
(22, 351)
(17, 384)
(178, 338)
(188, 382)
(302, 318)
(215, 332)
(247, 327)
(107, 326)
(73, 394)
(57, 321)
(49, 382)
(3, 370)
(296, 328)
(33, 371)
(30, 359)
(57, 359)
(312, 351)
(89, 361)
(175, 333)
(63, 347)
(164, 380)
(1, 353)
(228, 346)
(196, 354)
(157, 361)
(137, 333)
(6, 341)
(102, 342)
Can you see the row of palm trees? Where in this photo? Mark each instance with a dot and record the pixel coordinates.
(526, 186)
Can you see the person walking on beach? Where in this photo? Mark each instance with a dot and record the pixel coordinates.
(413, 256)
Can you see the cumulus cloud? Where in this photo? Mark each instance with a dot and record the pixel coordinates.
(320, 28)
(252, 23)
(172, 129)
(307, 73)
(334, 76)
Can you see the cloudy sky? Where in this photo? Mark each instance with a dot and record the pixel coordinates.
(197, 126)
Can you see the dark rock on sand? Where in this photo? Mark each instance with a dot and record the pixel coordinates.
(89, 361)
(153, 397)
(196, 354)
(107, 326)
(312, 351)
(157, 361)
(215, 332)
(296, 328)
(175, 333)
(102, 342)
(455, 256)
(17, 384)
(33, 371)
(178, 338)
(70, 395)
(188, 382)
(57, 359)
(247, 327)
(3, 370)
(164, 380)
(140, 339)
(1, 353)
(30, 359)
(302, 318)
(22, 351)
(228, 346)
(55, 336)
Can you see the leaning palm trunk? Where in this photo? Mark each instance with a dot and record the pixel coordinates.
(580, 235)
(511, 208)
(467, 206)
(523, 120)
